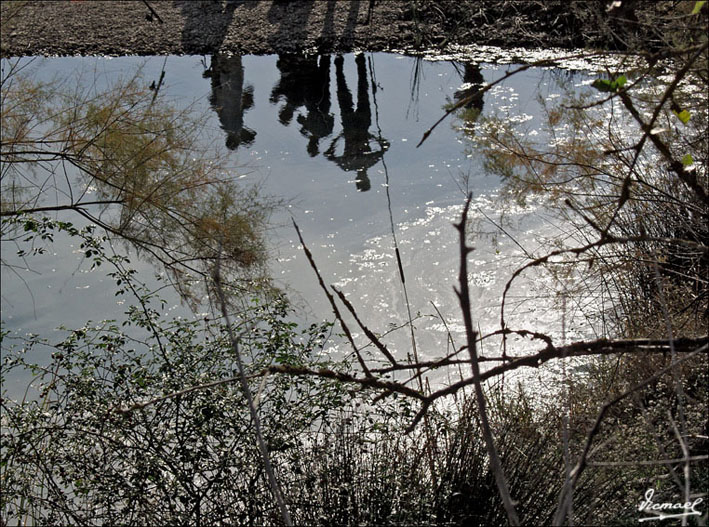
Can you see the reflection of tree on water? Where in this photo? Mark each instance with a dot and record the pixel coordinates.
(357, 149)
(305, 81)
(230, 99)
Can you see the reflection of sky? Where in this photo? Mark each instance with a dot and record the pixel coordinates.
(344, 228)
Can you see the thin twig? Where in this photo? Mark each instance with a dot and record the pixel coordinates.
(335, 310)
(179, 393)
(649, 462)
(55, 208)
(370, 335)
(603, 240)
(688, 177)
(687, 464)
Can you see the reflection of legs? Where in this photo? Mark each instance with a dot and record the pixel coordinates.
(355, 123)
(230, 98)
(344, 97)
(363, 112)
(324, 84)
(313, 147)
(318, 122)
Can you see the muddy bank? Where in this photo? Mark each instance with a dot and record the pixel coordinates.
(161, 27)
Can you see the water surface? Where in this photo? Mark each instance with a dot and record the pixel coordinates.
(335, 138)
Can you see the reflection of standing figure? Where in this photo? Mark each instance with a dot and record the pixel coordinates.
(230, 99)
(305, 82)
(358, 154)
(473, 81)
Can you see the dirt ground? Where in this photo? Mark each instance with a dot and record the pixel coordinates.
(159, 27)
(178, 27)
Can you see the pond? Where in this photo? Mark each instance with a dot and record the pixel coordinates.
(334, 138)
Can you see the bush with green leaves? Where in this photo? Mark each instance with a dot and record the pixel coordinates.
(122, 425)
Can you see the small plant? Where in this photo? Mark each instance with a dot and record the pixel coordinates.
(144, 418)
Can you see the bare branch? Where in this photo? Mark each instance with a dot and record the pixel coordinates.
(371, 336)
(647, 462)
(335, 310)
(580, 349)
(275, 487)
(471, 336)
(689, 177)
(604, 239)
(566, 494)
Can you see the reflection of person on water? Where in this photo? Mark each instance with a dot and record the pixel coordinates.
(305, 81)
(230, 99)
(472, 83)
(357, 154)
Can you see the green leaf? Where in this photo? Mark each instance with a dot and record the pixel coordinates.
(603, 85)
(698, 6)
(683, 116)
(688, 160)
(607, 85)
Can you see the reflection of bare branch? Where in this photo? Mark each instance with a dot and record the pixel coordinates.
(24, 282)
(73, 206)
(445, 324)
(140, 154)
(479, 93)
